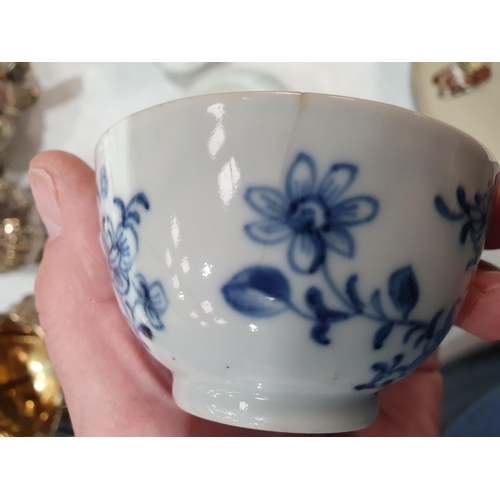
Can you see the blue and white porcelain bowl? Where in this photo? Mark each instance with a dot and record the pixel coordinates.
(286, 255)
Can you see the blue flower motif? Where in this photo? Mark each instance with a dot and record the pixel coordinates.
(143, 304)
(474, 216)
(103, 183)
(121, 248)
(314, 218)
(153, 300)
(121, 244)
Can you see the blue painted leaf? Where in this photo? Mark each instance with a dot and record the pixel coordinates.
(471, 263)
(476, 237)
(146, 331)
(397, 360)
(134, 216)
(119, 203)
(462, 200)
(441, 333)
(419, 340)
(443, 210)
(410, 332)
(362, 387)
(381, 334)
(352, 293)
(318, 333)
(258, 291)
(140, 198)
(377, 304)
(403, 290)
(464, 232)
(380, 367)
(433, 324)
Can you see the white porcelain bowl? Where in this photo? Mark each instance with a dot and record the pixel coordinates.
(286, 255)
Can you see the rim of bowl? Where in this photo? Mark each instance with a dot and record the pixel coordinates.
(362, 102)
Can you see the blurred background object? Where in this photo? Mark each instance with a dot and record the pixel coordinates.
(30, 395)
(466, 95)
(68, 106)
(18, 92)
(22, 233)
(229, 79)
(180, 68)
(461, 78)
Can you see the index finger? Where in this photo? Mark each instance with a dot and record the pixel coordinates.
(493, 236)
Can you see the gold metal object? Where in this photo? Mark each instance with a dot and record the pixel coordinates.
(22, 233)
(18, 91)
(30, 394)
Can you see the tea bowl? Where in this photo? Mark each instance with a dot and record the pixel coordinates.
(286, 255)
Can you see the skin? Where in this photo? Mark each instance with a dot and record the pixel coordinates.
(113, 387)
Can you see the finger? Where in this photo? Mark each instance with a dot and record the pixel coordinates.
(493, 236)
(96, 357)
(480, 313)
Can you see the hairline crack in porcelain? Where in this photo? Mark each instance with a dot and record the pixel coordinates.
(287, 255)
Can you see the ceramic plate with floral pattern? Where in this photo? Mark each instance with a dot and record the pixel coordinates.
(465, 95)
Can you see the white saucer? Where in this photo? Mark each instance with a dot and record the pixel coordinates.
(233, 79)
(179, 68)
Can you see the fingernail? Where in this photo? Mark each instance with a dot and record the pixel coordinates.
(487, 266)
(46, 200)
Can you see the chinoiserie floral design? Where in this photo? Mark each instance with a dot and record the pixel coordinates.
(314, 221)
(153, 301)
(313, 218)
(121, 243)
(387, 373)
(144, 303)
(473, 216)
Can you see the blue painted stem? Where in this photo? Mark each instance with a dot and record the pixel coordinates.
(336, 291)
(352, 310)
(302, 314)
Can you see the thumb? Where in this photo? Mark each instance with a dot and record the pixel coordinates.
(93, 351)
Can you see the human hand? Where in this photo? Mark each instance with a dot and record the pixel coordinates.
(113, 386)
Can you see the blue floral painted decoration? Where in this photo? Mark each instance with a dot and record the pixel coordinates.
(387, 373)
(153, 300)
(473, 216)
(144, 303)
(317, 220)
(122, 244)
(312, 218)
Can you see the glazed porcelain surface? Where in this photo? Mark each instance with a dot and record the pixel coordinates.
(286, 255)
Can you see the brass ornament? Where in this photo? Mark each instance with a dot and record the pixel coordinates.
(31, 401)
(22, 233)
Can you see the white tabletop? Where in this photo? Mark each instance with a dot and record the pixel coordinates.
(80, 101)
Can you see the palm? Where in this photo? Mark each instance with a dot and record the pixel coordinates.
(112, 385)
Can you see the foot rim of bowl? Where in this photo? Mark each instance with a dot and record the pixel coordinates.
(290, 412)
